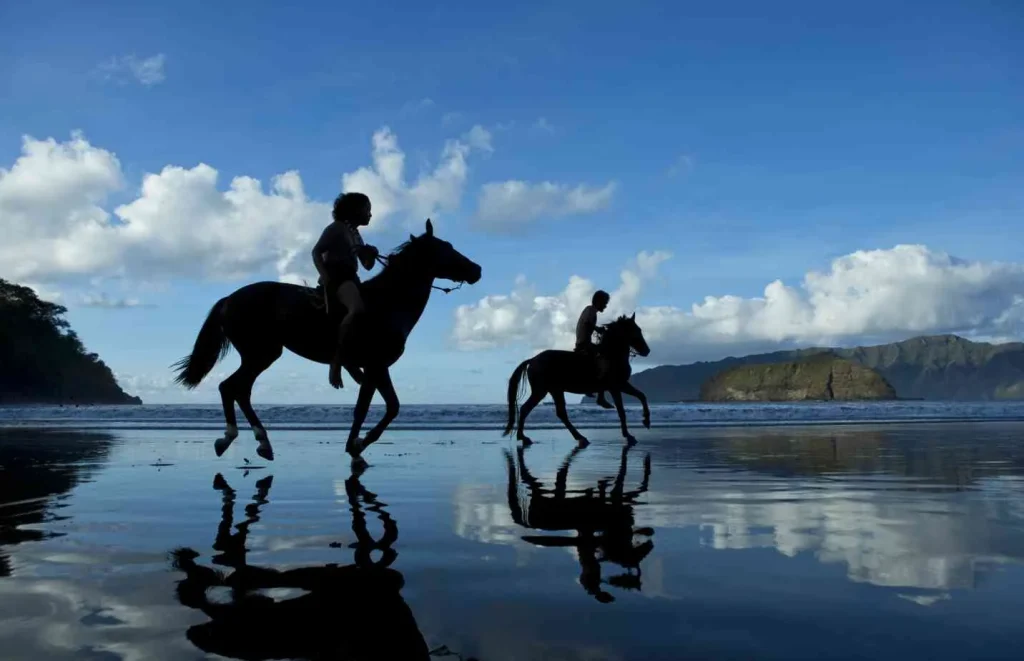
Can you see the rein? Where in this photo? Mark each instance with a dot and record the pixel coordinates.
(383, 261)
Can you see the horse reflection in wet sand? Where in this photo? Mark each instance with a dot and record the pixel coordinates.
(558, 372)
(346, 612)
(263, 319)
(603, 521)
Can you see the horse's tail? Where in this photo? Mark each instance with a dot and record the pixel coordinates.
(515, 384)
(211, 345)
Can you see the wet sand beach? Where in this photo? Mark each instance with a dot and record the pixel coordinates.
(865, 541)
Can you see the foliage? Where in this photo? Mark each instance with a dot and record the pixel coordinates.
(42, 360)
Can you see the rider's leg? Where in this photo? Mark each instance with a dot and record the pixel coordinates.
(592, 353)
(348, 295)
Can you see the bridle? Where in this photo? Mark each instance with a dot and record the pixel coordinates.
(383, 261)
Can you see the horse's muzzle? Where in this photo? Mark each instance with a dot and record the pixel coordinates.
(474, 275)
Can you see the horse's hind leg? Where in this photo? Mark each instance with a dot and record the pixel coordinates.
(563, 415)
(535, 398)
(231, 422)
(238, 386)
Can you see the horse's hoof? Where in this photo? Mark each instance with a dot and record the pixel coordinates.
(582, 442)
(630, 440)
(221, 445)
(359, 465)
(354, 447)
(525, 440)
(261, 435)
(264, 450)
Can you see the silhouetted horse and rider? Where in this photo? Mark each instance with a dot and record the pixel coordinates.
(262, 319)
(556, 372)
(364, 327)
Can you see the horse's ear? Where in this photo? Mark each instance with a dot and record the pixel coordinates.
(412, 237)
(430, 228)
(633, 317)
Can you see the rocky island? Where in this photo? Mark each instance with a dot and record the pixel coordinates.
(821, 377)
(42, 360)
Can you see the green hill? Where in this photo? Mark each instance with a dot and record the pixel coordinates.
(43, 361)
(817, 377)
(938, 367)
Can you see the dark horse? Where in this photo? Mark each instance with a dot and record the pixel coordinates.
(264, 318)
(559, 372)
(351, 611)
(603, 520)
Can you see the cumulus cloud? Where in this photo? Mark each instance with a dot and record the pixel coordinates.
(868, 294)
(438, 190)
(181, 223)
(147, 71)
(102, 300)
(546, 321)
(510, 205)
(543, 125)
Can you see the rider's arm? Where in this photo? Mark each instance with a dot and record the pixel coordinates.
(318, 253)
(367, 255)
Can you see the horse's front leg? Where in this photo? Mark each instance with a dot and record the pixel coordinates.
(354, 446)
(617, 398)
(387, 391)
(630, 389)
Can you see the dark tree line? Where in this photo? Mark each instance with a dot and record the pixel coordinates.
(42, 360)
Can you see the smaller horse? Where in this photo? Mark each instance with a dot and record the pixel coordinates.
(558, 372)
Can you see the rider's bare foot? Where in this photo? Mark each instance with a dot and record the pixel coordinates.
(334, 377)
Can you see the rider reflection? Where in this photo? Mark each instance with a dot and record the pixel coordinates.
(354, 611)
(603, 521)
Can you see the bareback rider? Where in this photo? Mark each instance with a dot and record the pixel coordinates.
(334, 256)
(585, 340)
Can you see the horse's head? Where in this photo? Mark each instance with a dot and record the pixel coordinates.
(625, 330)
(442, 260)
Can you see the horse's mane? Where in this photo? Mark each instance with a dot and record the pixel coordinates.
(612, 330)
(392, 259)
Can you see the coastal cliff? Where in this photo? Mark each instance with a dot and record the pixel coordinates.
(822, 377)
(42, 360)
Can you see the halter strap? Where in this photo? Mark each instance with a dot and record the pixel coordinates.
(383, 261)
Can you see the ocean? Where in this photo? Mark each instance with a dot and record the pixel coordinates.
(493, 416)
(807, 531)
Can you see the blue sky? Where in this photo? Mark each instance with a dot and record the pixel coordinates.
(752, 141)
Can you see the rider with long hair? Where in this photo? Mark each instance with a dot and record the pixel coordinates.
(335, 256)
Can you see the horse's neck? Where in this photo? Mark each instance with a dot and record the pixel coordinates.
(405, 293)
(615, 351)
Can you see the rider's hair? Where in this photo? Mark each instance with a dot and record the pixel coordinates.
(348, 204)
(600, 295)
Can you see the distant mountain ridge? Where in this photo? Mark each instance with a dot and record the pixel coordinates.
(934, 367)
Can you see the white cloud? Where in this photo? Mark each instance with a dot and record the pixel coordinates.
(439, 190)
(682, 166)
(546, 321)
(479, 138)
(180, 223)
(102, 300)
(510, 205)
(543, 125)
(883, 294)
(148, 71)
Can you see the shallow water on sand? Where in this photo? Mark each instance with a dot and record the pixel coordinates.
(871, 542)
